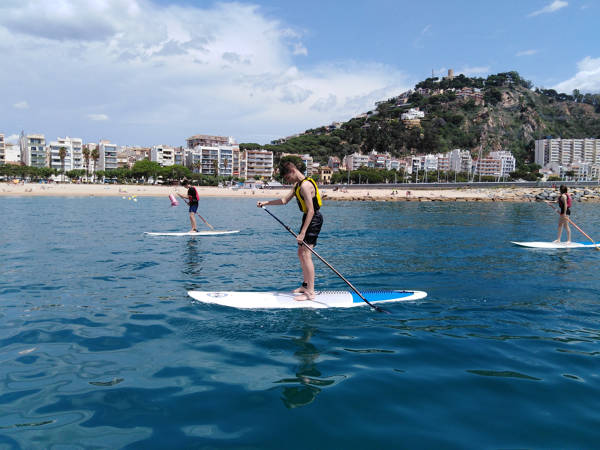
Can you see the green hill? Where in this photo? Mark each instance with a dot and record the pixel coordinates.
(500, 112)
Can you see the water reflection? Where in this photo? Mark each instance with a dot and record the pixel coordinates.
(192, 258)
(307, 384)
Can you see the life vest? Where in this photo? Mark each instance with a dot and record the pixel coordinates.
(569, 201)
(197, 199)
(316, 199)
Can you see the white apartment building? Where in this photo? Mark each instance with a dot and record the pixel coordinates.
(224, 158)
(73, 153)
(460, 160)
(307, 160)
(163, 154)
(108, 156)
(33, 150)
(256, 163)
(497, 164)
(567, 151)
(2, 149)
(355, 161)
(206, 140)
(12, 154)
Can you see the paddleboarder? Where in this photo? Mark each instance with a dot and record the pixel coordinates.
(564, 203)
(192, 200)
(308, 198)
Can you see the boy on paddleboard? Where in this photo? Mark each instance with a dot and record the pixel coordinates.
(192, 200)
(564, 203)
(309, 201)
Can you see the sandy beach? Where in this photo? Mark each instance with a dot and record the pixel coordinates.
(511, 194)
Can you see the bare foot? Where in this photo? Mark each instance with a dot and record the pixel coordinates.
(568, 242)
(556, 242)
(299, 290)
(305, 296)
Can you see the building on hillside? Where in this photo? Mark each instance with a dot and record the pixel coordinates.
(108, 155)
(2, 149)
(334, 164)
(256, 164)
(33, 150)
(355, 161)
(163, 155)
(325, 173)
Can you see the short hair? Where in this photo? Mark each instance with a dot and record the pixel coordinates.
(563, 189)
(287, 167)
(185, 182)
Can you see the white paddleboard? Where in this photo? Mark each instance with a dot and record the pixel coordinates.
(194, 233)
(556, 244)
(323, 299)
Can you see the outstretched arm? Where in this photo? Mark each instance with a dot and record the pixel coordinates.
(277, 201)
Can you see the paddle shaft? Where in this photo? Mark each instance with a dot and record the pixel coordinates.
(377, 308)
(573, 223)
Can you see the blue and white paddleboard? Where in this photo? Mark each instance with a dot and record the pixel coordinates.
(323, 299)
(554, 245)
(193, 233)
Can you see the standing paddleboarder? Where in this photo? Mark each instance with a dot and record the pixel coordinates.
(309, 201)
(564, 203)
(192, 200)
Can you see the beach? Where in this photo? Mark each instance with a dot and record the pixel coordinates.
(470, 194)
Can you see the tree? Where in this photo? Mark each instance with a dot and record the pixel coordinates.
(86, 160)
(62, 154)
(95, 156)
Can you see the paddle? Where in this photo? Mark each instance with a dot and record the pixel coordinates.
(209, 225)
(377, 308)
(573, 223)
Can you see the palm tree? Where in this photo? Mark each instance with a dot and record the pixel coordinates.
(215, 165)
(198, 166)
(95, 157)
(86, 159)
(62, 154)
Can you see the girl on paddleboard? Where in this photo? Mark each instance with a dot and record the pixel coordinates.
(564, 203)
(191, 199)
(309, 201)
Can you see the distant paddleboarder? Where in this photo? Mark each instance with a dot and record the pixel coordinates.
(564, 203)
(191, 199)
(309, 201)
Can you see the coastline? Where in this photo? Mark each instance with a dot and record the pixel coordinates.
(471, 194)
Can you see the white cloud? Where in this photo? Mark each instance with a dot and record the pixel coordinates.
(552, 7)
(21, 105)
(526, 53)
(97, 117)
(167, 72)
(587, 78)
(12, 139)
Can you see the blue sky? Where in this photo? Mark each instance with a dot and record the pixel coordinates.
(143, 72)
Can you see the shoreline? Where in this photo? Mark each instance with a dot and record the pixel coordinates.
(471, 194)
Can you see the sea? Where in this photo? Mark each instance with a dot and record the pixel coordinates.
(101, 347)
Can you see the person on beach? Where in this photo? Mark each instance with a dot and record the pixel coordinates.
(564, 203)
(309, 201)
(192, 200)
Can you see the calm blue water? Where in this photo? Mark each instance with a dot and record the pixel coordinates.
(101, 347)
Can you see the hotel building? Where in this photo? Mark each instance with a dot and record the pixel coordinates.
(213, 155)
(73, 153)
(256, 163)
(163, 154)
(33, 150)
(567, 151)
(108, 156)
(2, 150)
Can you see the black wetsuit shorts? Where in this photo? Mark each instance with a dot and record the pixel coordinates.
(314, 228)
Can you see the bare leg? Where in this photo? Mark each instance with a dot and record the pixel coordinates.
(193, 221)
(308, 270)
(568, 232)
(560, 228)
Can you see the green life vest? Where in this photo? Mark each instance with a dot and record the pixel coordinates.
(316, 199)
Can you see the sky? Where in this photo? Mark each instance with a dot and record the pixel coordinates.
(154, 72)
